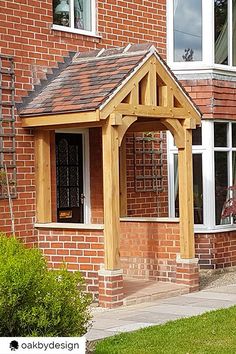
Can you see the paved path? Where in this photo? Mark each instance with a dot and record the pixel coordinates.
(124, 319)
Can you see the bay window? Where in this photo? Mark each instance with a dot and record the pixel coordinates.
(214, 170)
(201, 34)
(74, 16)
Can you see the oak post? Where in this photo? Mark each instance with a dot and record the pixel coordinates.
(187, 247)
(110, 144)
(43, 176)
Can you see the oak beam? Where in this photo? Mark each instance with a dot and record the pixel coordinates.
(127, 121)
(43, 176)
(151, 111)
(176, 130)
(110, 145)
(177, 91)
(147, 126)
(187, 246)
(60, 119)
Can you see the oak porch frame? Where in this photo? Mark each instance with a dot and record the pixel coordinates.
(150, 100)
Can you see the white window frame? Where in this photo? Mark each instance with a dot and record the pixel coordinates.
(208, 175)
(72, 29)
(229, 150)
(86, 169)
(207, 64)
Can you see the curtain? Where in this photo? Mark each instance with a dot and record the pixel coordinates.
(87, 14)
(221, 45)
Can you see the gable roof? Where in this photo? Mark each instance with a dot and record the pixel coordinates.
(92, 79)
(87, 81)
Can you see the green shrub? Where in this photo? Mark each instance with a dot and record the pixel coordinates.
(35, 301)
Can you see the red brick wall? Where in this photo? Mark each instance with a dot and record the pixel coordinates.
(217, 250)
(81, 250)
(148, 249)
(26, 35)
(215, 98)
(133, 21)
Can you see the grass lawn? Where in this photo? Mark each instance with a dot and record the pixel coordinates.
(212, 332)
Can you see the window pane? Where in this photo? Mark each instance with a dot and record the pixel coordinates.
(61, 12)
(187, 30)
(221, 32)
(176, 185)
(197, 188)
(220, 134)
(234, 167)
(234, 32)
(221, 184)
(82, 10)
(197, 136)
(234, 134)
(234, 178)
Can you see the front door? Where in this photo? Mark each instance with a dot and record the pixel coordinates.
(69, 173)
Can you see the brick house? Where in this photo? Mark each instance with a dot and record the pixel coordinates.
(77, 115)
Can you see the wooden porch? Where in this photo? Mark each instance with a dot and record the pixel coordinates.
(148, 99)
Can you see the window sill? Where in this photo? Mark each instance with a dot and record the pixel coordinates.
(75, 31)
(198, 230)
(74, 226)
(221, 72)
(139, 219)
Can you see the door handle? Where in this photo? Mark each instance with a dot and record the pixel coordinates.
(82, 197)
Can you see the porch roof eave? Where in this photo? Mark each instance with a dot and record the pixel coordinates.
(62, 119)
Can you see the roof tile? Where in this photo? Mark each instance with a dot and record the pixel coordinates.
(85, 83)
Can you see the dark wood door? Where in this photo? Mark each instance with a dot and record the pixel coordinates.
(69, 165)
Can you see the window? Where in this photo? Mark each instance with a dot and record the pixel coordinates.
(197, 178)
(74, 16)
(201, 33)
(225, 165)
(72, 179)
(187, 30)
(214, 170)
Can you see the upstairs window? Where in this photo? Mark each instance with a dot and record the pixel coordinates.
(201, 34)
(187, 30)
(74, 16)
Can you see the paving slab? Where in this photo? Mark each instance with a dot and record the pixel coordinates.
(129, 318)
(213, 295)
(96, 334)
(229, 289)
(130, 327)
(106, 323)
(155, 318)
(183, 310)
